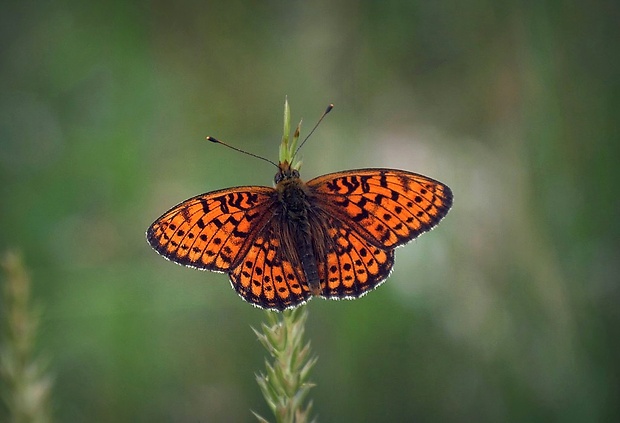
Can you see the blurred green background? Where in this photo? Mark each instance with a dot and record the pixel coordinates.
(508, 311)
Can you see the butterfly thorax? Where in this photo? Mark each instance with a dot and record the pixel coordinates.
(294, 206)
(292, 194)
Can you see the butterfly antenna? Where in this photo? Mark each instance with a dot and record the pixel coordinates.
(215, 140)
(329, 109)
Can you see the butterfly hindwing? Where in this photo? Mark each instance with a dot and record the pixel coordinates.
(352, 266)
(266, 277)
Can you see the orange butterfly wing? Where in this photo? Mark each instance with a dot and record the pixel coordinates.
(372, 212)
(266, 277)
(211, 231)
(352, 266)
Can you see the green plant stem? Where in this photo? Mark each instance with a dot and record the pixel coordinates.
(285, 384)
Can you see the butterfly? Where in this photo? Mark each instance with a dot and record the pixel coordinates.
(332, 237)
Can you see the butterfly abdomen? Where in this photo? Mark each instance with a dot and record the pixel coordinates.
(308, 263)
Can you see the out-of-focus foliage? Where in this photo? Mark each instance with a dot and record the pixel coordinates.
(24, 386)
(508, 311)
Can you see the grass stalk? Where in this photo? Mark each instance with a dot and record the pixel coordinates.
(285, 383)
(25, 387)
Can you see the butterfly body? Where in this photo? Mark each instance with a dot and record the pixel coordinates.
(333, 236)
(292, 208)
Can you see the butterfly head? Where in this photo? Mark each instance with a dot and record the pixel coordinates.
(286, 171)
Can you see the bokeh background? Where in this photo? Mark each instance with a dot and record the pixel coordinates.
(508, 311)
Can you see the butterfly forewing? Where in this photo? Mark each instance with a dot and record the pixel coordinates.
(211, 231)
(387, 207)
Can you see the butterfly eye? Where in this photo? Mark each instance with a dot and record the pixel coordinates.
(278, 178)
